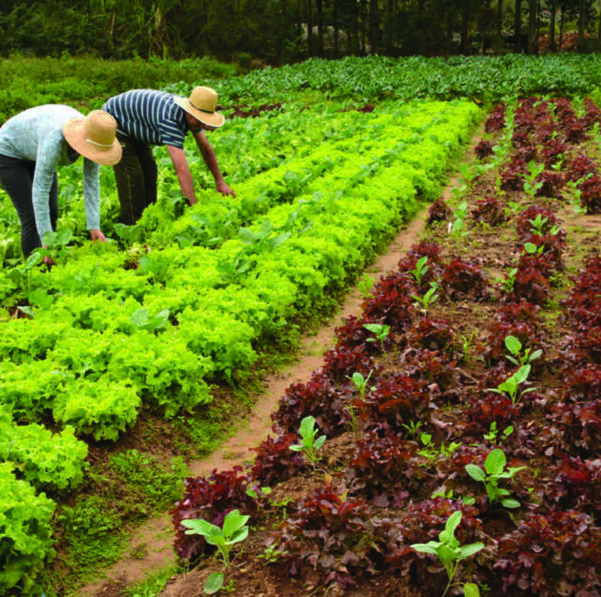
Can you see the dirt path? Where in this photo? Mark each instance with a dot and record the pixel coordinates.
(154, 538)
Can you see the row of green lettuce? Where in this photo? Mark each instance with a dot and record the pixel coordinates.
(114, 328)
(87, 82)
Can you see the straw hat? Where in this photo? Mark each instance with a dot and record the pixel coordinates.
(202, 105)
(94, 137)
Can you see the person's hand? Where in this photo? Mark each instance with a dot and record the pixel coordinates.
(48, 261)
(96, 234)
(224, 189)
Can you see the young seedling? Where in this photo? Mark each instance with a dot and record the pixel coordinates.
(431, 451)
(412, 428)
(457, 226)
(533, 249)
(467, 343)
(576, 194)
(428, 299)
(420, 270)
(511, 386)
(234, 531)
(380, 330)
(494, 471)
(514, 346)
(508, 283)
(538, 226)
(309, 445)
(493, 434)
(531, 185)
(365, 284)
(361, 385)
(450, 552)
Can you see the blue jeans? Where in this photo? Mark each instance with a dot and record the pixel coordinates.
(16, 177)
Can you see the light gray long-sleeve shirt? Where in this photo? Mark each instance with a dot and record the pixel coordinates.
(37, 135)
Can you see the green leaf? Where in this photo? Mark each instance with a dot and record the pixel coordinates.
(495, 462)
(431, 547)
(471, 590)
(453, 522)
(521, 375)
(307, 426)
(199, 526)
(469, 550)
(475, 472)
(510, 503)
(514, 346)
(213, 583)
(233, 522)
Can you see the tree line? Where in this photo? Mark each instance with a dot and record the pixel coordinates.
(283, 31)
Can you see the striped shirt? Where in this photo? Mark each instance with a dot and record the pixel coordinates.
(36, 135)
(149, 116)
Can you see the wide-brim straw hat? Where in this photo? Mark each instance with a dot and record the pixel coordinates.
(94, 137)
(202, 104)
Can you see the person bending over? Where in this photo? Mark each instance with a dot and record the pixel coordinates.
(145, 118)
(32, 144)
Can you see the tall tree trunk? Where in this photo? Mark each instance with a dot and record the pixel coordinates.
(363, 19)
(532, 28)
(320, 46)
(465, 13)
(433, 27)
(552, 44)
(374, 26)
(310, 44)
(335, 16)
(499, 27)
(561, 32)
(517, 26)
(581, 23)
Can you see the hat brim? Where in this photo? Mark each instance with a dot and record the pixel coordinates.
(215, 119)
(75, 136)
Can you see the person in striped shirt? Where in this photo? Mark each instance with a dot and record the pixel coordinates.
(147, 117)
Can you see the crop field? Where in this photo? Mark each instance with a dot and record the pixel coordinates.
(463, 396)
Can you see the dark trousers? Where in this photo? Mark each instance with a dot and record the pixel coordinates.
(16, 177)
(136, 178)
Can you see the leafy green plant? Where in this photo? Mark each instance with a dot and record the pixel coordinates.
(508, 282)
(514, 346)
(380, 330)
(412, 428)
(533, 249)
(234, 531)
(431, 451)
(450, 553)
(141, 319)
(538, 226)
(493, 435)
(429, 298)
(310, 444)
(420, 270)
(365, 284)
(21, 274)
(511, 386)
(576, 194)
(467, 343)
(457, 227)
(531, 185)
(494, 471)
(361, 383)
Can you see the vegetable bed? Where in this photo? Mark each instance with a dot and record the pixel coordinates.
(449, 442)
